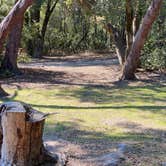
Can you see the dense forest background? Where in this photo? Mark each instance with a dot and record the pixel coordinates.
(68, 26)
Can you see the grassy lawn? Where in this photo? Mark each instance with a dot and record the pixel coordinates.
(99, 118)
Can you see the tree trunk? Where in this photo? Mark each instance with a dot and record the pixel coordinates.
(141, 36)
(13, 18)
(22, 130)
(137, 16)
(33, 43)
(39, 44)
(9, 62)
(119, 41)
(129, 26)
(10, 21)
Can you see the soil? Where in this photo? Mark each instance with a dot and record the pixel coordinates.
(86, 69)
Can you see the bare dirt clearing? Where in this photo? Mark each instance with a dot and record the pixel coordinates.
(103, 74)
(92, 70)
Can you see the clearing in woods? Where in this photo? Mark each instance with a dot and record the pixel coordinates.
(95, 112)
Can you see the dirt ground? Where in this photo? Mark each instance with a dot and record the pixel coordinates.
(87, 69)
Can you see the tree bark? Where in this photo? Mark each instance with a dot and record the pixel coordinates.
(35, 19)
(10, 21)
(22, 130)
(38, 50)
(119, 41)
(137, 16)
(13, 18)
(9, 62)
(129, 26)
(141, 36)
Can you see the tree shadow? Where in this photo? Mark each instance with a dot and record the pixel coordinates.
(120, 94)
(42, 76)
(154, 109)
(117, 97)
(142, 143)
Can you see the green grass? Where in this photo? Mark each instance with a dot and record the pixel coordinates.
(132, 114)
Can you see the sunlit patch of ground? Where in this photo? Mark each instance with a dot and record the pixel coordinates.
(95, 113)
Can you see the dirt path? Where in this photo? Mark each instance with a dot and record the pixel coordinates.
(79, 71)
(73, 71)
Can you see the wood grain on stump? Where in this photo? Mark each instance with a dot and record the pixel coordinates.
(22, 130)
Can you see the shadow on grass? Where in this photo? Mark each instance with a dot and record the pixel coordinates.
(159, 109)
(119, 92)
(42, 76)
(154, 109)
(101, 142)
(119, 96)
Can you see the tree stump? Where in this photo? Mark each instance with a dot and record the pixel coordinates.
(22, 130)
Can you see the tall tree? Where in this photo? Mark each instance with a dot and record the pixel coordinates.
(34, 21)
(10, 21)
(9, 62)
(36, 44)
(141, 36)
(129, 26)
(49, 10)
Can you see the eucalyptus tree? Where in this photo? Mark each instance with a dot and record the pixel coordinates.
(7, 24)
(123, 22)
(131, 63)
(9, 62)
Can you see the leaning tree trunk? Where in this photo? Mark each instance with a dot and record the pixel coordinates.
(9, 62)
(11, 20)
(22, 131)
(141, 36)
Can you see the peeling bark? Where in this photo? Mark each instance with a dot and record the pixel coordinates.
(141, 36)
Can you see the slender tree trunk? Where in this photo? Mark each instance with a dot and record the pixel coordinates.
(9, 62)
(49, 11)
(119, 41)
(34, 43)
(10, 21)
(129, 26)
(141, 36)
(138, 13)
(38, 42)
